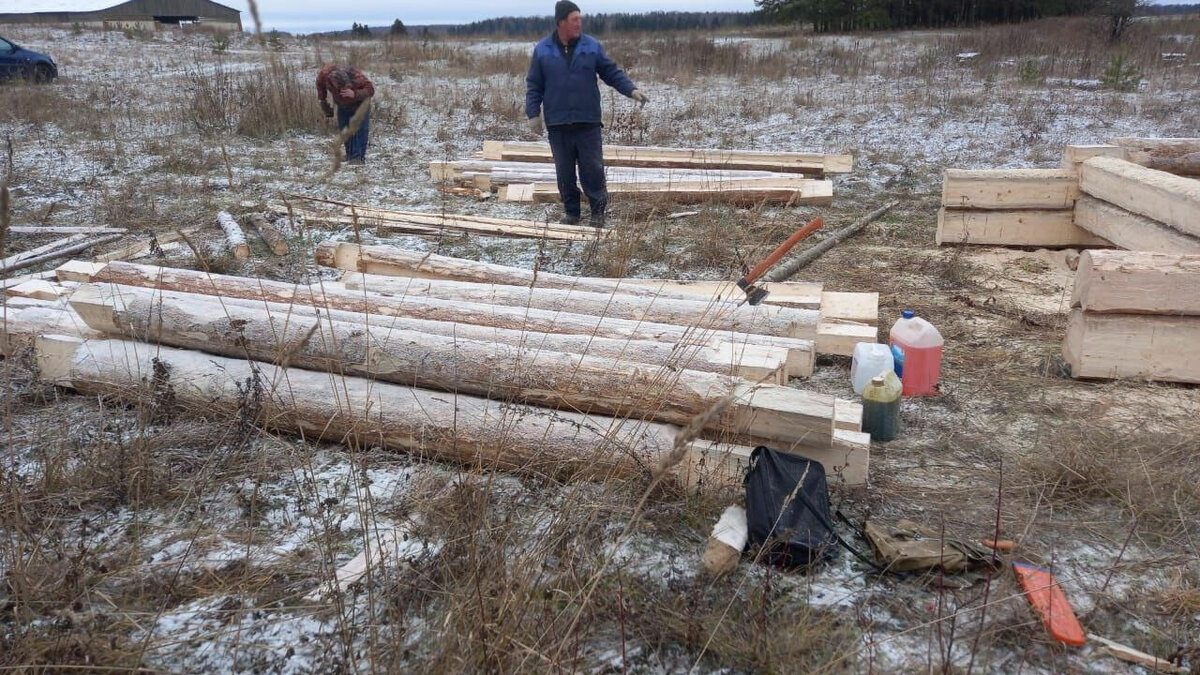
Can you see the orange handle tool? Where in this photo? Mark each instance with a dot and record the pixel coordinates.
(762, 267)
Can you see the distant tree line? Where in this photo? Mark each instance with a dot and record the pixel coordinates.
(856, 15)
(601, 24)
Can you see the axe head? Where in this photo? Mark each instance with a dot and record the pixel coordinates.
(754, 294)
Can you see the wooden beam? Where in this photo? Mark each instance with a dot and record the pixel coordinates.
(1164, 197)
(1150, 347)
(1137, 282)
(1044, 229)
(476, 224)
(839, 338)
(1130, 230)
(1009, 189)
(800, 352)
(849, 307)
(563, 381)
(716, 465)
(39, 289)
(757, 320)
(21, 326)
(789, 191)
(623, 155)
(1074, 155)
(28, 259)
(361, 413)
(145, 245)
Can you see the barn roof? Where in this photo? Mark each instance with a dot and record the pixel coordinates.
(73, 6)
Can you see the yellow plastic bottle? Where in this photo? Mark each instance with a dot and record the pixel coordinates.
(881, 407)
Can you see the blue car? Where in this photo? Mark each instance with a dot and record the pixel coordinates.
(18, 62)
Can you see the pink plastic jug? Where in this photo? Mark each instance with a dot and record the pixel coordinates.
(919, 345)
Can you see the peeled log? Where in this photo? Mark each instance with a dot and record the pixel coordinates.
(800, 352)
(361, 413)
(757, 320)
(451, 363)
(234, 235)
(21, 326)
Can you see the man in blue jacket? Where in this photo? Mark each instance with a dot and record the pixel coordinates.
(562, 97)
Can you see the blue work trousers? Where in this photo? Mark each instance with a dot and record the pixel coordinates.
(579, 145)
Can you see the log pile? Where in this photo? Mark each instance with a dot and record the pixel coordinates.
(467, 380)
(1135, 315)
(1134, 193)
(523, 172)
(833, 321)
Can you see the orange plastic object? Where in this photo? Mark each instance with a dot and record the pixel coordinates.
(1048, 599)
(1005, 545)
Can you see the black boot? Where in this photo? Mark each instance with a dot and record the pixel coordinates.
(597, 220)
(569, 219)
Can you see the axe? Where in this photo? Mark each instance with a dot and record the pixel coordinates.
(756, 294)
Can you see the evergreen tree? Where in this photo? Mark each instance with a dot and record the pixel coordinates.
(398, 29)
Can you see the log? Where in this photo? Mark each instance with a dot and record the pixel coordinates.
(57, 253)
(1137, 282)
(358, 412)
(64, 229)
(1184, 165)
(1044, 229)
(1009, 189)
(1130, 230)
(22, 278)
(1074, 155)
(758, 320)
(752, 362)
(491, 174)
(234, 235)
(21, 326)
(154, 243)
(1159, 147)
(788, 268)
(347, 221)
(1164, 197)
(1109, 346)
(12, 262)
(622, 155)
(718, 465)
(271, 236)
(788, 191)
(800, 352)
(475, 224)
(586, 384)
(39, 289)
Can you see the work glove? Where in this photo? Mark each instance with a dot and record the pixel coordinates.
(536, 126)
(347, 93)
(326, 108)
(638, 96)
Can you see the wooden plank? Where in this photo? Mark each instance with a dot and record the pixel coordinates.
(751, 191)
(1131, 655)
(22, 278)
(480, 225)
(38, 289)
(714, 465)
(1164, 197)
(1074, 155)
(849, 307)
(145, 245)
(1009, 189)
(1045, 229)
(76, 270)
(1150, 347)
(624, 155)
(1137, 282)
(1130, 230)
(840, 338)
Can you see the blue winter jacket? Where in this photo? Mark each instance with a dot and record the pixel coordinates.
(568, 93)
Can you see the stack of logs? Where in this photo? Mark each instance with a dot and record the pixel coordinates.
(1135, 315)
(523, 172)
(1135, 193)
(450, 372)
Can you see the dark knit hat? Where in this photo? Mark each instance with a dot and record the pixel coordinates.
(563, 9)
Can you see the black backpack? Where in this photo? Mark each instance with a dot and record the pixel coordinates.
(795, 528)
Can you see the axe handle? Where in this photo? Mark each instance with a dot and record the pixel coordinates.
(762, 267)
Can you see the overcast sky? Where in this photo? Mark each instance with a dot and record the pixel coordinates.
(305, 16)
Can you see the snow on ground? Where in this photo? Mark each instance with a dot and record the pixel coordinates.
(140, 160)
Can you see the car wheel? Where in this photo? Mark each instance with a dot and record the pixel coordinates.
(42, 73)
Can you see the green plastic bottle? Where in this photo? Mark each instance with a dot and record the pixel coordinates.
(881, 407)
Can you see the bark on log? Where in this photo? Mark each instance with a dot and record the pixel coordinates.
(758, 320)
(361, 413)
(450, 363)
(800, 352)
(270, 234)
(234, 235)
